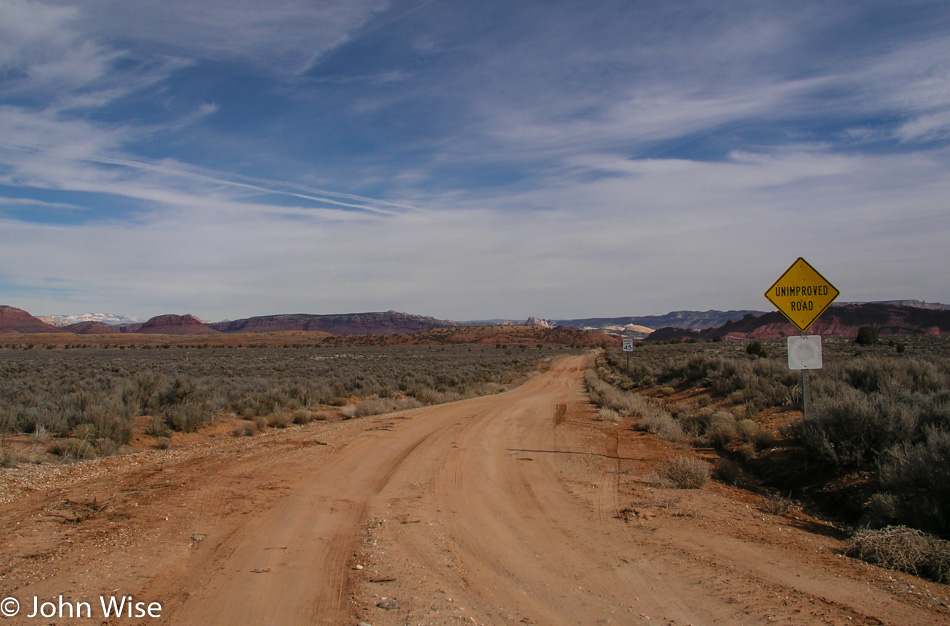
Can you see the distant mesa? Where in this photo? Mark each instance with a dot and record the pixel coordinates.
(14, 320)
(341, 325)
(171, 324)
(90, 328)
(838, 321)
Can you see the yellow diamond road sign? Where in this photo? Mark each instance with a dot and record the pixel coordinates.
(801, 294)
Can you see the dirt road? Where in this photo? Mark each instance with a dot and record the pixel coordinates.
(514, 508)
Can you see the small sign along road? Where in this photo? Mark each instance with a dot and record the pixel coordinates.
(801, 294)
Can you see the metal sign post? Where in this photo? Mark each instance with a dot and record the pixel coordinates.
(628, 348)
(802, 294)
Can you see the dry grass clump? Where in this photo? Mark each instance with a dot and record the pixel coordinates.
(72, 449)
(682, 472)
(608, 415)
(903, 549)
(247, 429)
(279, 420)
(650, 414)
(776, 504)
(302, 416)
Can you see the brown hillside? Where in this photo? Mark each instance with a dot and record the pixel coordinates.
(14, 320)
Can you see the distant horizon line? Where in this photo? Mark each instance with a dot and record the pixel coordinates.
(118, 319)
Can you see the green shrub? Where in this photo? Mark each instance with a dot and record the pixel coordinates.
(867, 336)
(755, 349)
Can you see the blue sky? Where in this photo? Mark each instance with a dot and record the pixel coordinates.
(468, 159)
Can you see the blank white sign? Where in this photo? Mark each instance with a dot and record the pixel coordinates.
(804, 352)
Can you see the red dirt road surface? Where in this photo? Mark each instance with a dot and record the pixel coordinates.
(513, 508)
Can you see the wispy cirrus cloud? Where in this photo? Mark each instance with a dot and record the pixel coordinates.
(468, 160)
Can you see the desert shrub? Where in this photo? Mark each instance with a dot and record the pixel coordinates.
(722, 429)
(279, 420)
(746, 429)
(918, 476)
(853, 429)
(186, 418)
(755, 349)
(157, 427)
(867, 336)
(603, 394)
(728, 471)
(608, 415)
(72, 449)
(776, 504)
(660, 423)
(683, 472)
(302, 416)
(746, 452)
(106, 447)
(903, 549)
(764, 439)
(247, 429)
(372, 406)
(111, 420)
(39, 435)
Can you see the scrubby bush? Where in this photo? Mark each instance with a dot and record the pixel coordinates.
(722, 429)
(608, 415)
(867, 336)
(852, 430)
(72, 449)
(746, 429)
(918, 476)
(728, 471)
(903, 549)
(683, 472)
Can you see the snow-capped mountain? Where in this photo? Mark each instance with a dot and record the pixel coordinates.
(105, 318)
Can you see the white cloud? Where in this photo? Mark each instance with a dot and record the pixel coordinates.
(679, 232)
(572, 113)
(285, 36)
